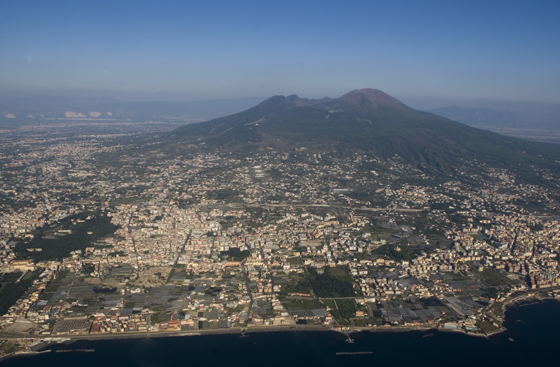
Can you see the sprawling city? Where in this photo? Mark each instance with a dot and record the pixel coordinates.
(101, 235)
(277, 183)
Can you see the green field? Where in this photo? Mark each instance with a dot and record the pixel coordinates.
(486, 326)
(347, 308)
(493, 277)
(85, 229)
(294, 261)
(12, 291)
(301, 304)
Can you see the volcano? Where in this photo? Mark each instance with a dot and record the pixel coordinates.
(370, 121)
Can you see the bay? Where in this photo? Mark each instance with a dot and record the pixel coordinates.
(531, 339)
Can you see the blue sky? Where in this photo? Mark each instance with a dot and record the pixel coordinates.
(195, 50)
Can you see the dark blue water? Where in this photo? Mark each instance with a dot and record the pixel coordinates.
(535, 330)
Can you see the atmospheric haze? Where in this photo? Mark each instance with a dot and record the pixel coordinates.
(211, 50)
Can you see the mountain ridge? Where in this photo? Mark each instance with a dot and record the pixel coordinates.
(367, 120)
(369, 99)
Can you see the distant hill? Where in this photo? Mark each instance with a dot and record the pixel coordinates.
(366, 120)
(37, 107)
(482, 117)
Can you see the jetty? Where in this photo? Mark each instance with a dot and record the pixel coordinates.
(352, 353)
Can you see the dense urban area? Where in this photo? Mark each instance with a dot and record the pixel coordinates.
(101, 235)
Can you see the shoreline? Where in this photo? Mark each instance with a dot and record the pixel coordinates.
(68, 339)
(519, 301)
(234, 330)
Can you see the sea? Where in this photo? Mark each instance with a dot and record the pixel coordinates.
(532, 339)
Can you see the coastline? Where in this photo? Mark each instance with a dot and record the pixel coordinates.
(234, 330)
(68, 339)
(519, 301)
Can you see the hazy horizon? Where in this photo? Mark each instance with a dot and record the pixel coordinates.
(424, 103)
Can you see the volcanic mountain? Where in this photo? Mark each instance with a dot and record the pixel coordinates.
(367, 120)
